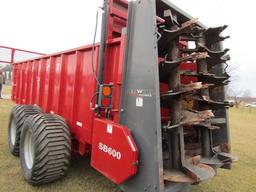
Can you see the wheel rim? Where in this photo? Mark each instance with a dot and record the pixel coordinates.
(29, 149)
(13, 132)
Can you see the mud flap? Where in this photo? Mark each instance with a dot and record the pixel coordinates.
(114, 152)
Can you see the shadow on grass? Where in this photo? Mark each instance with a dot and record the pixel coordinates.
(81, 177)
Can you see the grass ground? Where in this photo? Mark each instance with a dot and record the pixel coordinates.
(82, 178)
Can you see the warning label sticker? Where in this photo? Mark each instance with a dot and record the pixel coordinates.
(139, 102)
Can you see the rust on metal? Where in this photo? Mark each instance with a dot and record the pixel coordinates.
(204, 99)
(161, 174)
(213, 34)
(186, 28)
(226, 158)
(197, 170)
(208, 77)
(177, 176)
(186, 88)
(192, 106)
(189, 57)
(225, 147)
(196, 117)
(187, 102)
(218, 121)
(189, 117)
(215, 57)
(202, 47)
(194, 86)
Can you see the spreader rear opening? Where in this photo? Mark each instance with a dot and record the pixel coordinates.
(191, 75)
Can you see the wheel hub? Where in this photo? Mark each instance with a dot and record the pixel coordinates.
(13, 132)
(29, 149)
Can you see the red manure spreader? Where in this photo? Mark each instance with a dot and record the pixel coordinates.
(147, 103)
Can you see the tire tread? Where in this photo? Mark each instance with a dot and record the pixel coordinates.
(52, 148)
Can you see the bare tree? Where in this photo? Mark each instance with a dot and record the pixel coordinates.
(234, 93)
(247, 93)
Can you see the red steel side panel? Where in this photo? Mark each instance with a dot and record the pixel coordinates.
(67, 88)
(17, 76)
(42, 83)
(189, 66)
(35, 81)
(24, 85)
(14, 83)
(64, 84)
(85, 85)
(113, 72)
(45, 90)
(29, 79)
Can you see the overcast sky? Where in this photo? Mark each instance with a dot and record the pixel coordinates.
(49, 26)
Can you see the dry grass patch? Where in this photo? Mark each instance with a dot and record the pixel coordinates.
(82, 178)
